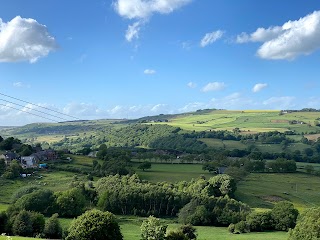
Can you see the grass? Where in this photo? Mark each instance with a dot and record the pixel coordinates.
(172, 172)
(263, 190)
(130, 228)
(250, 121)
(55, 180)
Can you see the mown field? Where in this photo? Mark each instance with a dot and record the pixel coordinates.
(248, 121)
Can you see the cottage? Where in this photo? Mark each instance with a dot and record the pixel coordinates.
(28, 162)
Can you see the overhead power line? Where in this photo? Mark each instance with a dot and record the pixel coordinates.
(28, 112)
(39, 106)
(33, 109)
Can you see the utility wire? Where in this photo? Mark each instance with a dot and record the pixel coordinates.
(34, 109)
(28, 112)
(39, 106)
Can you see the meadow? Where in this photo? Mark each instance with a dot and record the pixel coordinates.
(262, 190)
(248, 121)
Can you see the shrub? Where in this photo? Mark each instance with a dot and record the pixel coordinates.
(259, 222)
(284, 216)
(52, 228)
(308, 226)
(153, 229)
(94, 224)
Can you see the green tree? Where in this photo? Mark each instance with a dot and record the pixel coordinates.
(176, 235)
(93, 225)
(144, 166)
(153, 229)
(28, 224)
(70, 203)
(284, 216)
(52, 228)
(38, 201)
(2, 166)
(308, 226)
(3, 222)
(260, 221)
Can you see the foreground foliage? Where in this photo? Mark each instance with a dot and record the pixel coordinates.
(93, 225)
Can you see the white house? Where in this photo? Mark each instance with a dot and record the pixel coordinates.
(29, 162)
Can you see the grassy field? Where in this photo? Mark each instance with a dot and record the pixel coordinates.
(247, 121)
(56, 181)
(263, 190)
(130, 228)
(172, 172)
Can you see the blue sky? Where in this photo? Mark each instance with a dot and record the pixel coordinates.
(131, 58)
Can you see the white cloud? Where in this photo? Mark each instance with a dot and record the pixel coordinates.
(285, 102)
(214, 86)
(149, 71)
(133, 31)
(210, 38)
(20, 85)
(186, 45)
(258, 87)
(292, 39)
(190, 107)
(260, 35)
(24, 39)
(81, 109)
(232, 101)
(142, 10)
(192, 85)
(314, 102)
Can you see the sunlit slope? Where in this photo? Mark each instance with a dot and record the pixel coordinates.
(250, 121)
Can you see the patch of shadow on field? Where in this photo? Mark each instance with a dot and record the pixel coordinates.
(272, 198)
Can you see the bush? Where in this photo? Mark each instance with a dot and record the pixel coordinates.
(284, 216)
(241, 227)
(38, 201)
(94, 224)
(259, 222)
(3, 222)
(28, 224)
(231, 228)
(70, 203)
(152, 228)
(308, 226)
(176, 235)
(52, 228)
(189, 231)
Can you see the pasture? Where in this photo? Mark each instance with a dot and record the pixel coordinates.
(172, 172)
(248, 121)
(262, 190)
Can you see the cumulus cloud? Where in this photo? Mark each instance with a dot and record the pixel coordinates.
(24, 39)
(292, 39)
(214, 86)
(149, 71)
(210, 38)
(285, 102)
(142, 10)
(192, 85)
(258, 87)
